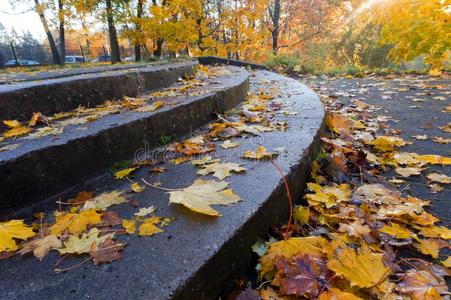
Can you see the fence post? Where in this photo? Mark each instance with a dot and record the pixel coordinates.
(14, 53)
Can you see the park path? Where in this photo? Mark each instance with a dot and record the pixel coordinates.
(416, 106)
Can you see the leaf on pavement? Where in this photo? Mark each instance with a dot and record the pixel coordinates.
(150, 107)
(329, 195)
(408, 171)
(106, 251)
(12, 123)
(261, 153)
(202, 194)
(422, 285)
(37, 118)
(105, 200)
(42, 246)
(339, 124)
(76, 223)
(360, 267)
(428, 247)
(387, 143)
(144, 211)
(356, 229)
(229, 144)
(436, 232)
(441, 178)
(14, 229)
(397, 231)
(149, 226)
(17, 131)
(129, 226)
(136, 187)
(336, 294)
(83, 244)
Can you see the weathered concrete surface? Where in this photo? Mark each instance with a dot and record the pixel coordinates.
(51, 164)
(49, 96)
(196, 256)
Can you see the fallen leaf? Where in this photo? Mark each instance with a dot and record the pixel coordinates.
(14, 229)
(220, 170)
(356, 229)
(76, 223)
(397, 231)
(12, 123)
(433, 159)
(436, 232)
(441, 178)
(106, 251)
(144, 211)
(446, 128)
(123, 173)
(420, 137)
(361, 267)
(387, 143)
(129, 226)
(408, 171)
(428, 247)
(421, 285)
(150, 107)
(105, 200)
(447, 262)
(329, 195)
(229, 144)
(148, 227)
(83, 244)
(9, 147)
(202, 194)
(336, 294)
(339, 124)
(301, 214)
(16, 131)
(261, 153)
(42, 246)
(136, 187)
(36, 119)
(441, 140)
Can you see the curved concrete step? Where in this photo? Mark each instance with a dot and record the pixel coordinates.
(196, 256)
(53, 95)
(47, 165)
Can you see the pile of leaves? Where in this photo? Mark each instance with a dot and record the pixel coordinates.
(355, 236)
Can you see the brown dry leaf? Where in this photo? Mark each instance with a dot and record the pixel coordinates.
(202, 194)
(81, 198)
(261, 153)
(16, 131)
(106, 251)
(408, 171)
(422, 285)
(339, 124)
(301, 275)
(428, 247)
(76, 223)
(360, 267)
(42, 246)
(441, 140)
(220, 170)
(193, 146)
(14, 229)
(104, 200)
(314, 245)
(387, 143)
(336, 294)
(441, 178)
(110, 218)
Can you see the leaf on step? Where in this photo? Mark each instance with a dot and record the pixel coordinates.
(229, 144)
(150, 107)
(81, 198)
(221, 170)
(16, 131)
(76, 223)
(105, 200)
(261, 153)
(339, 124)
(37, 118)
(124, 173)
(356, 229)
(360, 267)
(144, 211)
(83, 244)
(441, 178)
(329, 195)
(129, 226)
(205, 160)
(12, 123)
(149, 226)
(408, 171)
(433, 159)
(41, 246)
(202, 194)
(136, 187)
(106, 251)
(11, 230)
(301, 214)
(428, 247)
(422, 285)
(436, 232)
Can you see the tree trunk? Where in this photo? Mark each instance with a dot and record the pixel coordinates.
(52, 44)
(62, 42)
(114, 44)
(159, 50)
(139, 13)
(275, 31)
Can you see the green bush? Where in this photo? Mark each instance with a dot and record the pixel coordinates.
(285, 61)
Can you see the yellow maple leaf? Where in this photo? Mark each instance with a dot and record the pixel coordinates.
(150, 107)
(314, 245)
(124, 173)
(336, 294)
(14, 229)
(12, 123)
(436, 231)
(129, 226)
(76, 223)
(16, 131)
(433, 159)
(202, 194)
(136, 187)
(149, 226)
(360, 267)
(329, 195)
(220, 170)
(83, 244)
(435, 72)
(339, 124)
(301, 214)
(396, 230)
(447, 262)
(229, 144)
(387, 143)
(428, 247)
(261, 153)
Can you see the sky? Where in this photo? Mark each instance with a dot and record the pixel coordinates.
(11, 17)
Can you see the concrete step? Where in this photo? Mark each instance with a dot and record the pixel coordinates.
(37, 168)
(56, 92)
(196, 256)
